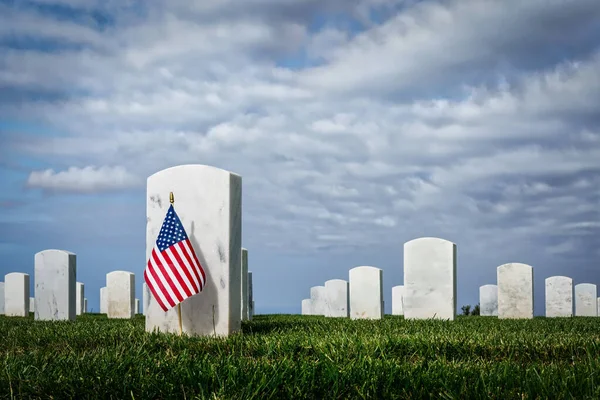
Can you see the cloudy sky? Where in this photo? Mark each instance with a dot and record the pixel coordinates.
(355, 125)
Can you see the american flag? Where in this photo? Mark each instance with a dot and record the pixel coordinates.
(173, 272)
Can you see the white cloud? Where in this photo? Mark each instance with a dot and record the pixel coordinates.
(444, 120)
(88, 179)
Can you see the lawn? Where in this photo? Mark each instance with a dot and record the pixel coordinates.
(292, 356)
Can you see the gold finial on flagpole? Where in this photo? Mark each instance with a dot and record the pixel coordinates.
(171, 198)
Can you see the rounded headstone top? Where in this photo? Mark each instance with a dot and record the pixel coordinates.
(397, 286)
(15, 274)
(489, 285)
(515, 266)
(51, 251)
(120, 273)
(192, 168)
(366, 268)
(558, 278)
(428, 240)
(586, 285)
(334, 281)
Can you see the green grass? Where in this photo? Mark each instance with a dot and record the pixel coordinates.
(283, 356)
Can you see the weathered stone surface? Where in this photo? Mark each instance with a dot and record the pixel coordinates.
(306, 307)
(585, 300)
(366, 292)
(146, 298)
(318, 296)
(559, 296)
(120, 288)
(338, 299)
(16, 294)
(1, 298)
(250, 296)
(137, 306)
(55, 275)
(103, 300)
(31, 304)
(79, 297)
(244, 285)
(398, 300)
(208, 201)
(429, 279)
(515, 291)
(488, 300)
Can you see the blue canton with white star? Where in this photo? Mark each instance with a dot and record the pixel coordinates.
(171, 232)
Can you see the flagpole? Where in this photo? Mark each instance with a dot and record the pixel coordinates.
(172, 201)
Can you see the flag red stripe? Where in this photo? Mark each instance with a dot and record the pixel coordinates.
(158, 275)
(175, 271)
(158, 281)
(180, 250)
(154, 274)
(192, 253)
(167, 277)
(154, 293)
(185, 269)
(182, 246)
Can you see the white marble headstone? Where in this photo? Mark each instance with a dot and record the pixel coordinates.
(146, 297)
(16, 294)
(250, 296)
(1, 298)
(429, 279)
(318, 296)
(103, 300)
(559, 296)
(137, 306)
(244, 285)
(32, 304)
(208, 201)
(79, 296)
(586, 300)
(85, 309)
(398, 300)
(366, 292)
(120, 289)
(488, 300)
(55, 275)
(515, 291)
(306, 307)
(338, 298)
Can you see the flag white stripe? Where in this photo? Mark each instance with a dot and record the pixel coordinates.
(172, 276)
(181, 272)
(163, 280)
(196, 266)
(187, 265)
